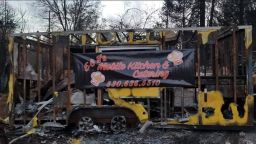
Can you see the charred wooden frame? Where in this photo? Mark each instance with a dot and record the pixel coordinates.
(224, 70)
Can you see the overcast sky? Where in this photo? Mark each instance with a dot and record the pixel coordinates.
(109, 9)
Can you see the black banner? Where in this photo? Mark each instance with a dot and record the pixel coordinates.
(135, 69)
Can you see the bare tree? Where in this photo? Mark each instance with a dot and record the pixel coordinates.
(212, 12)
(188, 13)
(181, 12)
(21, 20)
(133, 18)
(73, 14)
(7, 20)
(202, 12)
(7, 26)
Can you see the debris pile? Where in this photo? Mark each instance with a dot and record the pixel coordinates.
(150, 136)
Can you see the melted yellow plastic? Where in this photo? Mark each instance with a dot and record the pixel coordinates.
(138, 109)
(215, 100)
(31, 131)
(10, 92)
(146, 92)
(248, 37)
(75, 141)
(83, 39)
(35, 124)
(11, 78)
(205, 35)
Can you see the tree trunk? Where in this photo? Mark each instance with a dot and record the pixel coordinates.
(202, 12)
(183, 14)
(211, 13)
(241, 12)
(3, 50)
(167, 19)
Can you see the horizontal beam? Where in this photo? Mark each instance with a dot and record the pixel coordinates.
(127, 30)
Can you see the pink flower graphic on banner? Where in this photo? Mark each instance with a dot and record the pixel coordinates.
(175, 57)
(97, 78)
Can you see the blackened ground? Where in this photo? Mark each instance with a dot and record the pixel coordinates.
(151, 136)
(3, 138)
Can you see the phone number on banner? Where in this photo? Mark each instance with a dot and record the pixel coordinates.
(133, 83)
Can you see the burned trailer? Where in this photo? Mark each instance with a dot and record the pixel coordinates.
(224, 88)
(119, 78)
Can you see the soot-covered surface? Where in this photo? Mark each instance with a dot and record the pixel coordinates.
(150, 136)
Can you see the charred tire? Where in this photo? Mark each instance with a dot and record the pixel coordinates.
(118, 124)
(85, 123)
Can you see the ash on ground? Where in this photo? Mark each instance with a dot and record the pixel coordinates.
(150, 136)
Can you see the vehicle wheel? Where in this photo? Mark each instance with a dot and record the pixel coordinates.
(85, 123)
(118, 124)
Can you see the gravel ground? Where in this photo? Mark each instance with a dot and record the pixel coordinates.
(151, 136)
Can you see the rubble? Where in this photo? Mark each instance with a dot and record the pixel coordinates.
(53, 126)
(145, 126)
(150, 136)
(3, 138)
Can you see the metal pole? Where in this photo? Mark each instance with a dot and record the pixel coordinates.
(148, 103)
(161, 107)
(182, 102)
(84, 97)
(169, 101)
(165, 104)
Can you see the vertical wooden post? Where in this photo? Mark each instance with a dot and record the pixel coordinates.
(53, 59)
(38, 51)
(99, 91)
(69, 79)
(216, 62)
(163, 93)
(99, 97)
(53, 67)
(234, 53)
(161, 107)
(198, 62)
(11, 90)
(83, 41)
(249, 73)
(83, 49)
(47, 61)
(24, 75)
